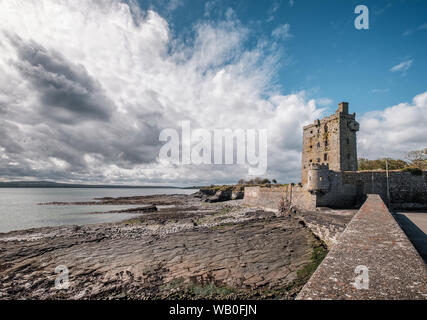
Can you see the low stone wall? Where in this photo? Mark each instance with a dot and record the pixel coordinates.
(373, 259)
(326, 225)
(266, 198)
(301, 198)
(270, 198)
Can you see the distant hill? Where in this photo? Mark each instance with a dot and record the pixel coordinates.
(48, 184)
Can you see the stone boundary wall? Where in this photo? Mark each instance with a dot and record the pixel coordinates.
(270, 198)
(266, 198)
(373, 247)
(349, 188)
(297, 196)
(327, 230)
(406, 189)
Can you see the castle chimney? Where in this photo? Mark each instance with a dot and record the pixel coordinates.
(343, 107)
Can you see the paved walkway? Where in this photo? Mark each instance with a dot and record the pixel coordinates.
(373, 259)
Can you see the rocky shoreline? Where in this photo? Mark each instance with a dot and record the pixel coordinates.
(176, 247)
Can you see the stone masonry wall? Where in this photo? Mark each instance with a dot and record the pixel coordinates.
(270, 198)
(339, 195)
(406, 189)
(267, 198)
(327, 228)
(301, 198)
(348, 189)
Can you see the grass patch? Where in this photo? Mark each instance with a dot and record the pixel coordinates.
(303, 275)
(317, 256)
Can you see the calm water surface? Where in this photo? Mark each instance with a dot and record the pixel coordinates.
(19, 209)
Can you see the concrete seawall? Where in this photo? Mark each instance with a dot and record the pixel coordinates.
(373, 259)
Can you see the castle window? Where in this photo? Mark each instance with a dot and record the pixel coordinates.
(318, 159)
(326, 128)
(348, 141)
(311, 147)
(311, 160)
(326, 143)
(325, 157)
(318, 145)
(348, 156)
(311, 131)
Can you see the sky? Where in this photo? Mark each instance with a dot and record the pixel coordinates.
(86, 87)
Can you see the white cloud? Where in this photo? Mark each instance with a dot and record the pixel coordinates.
(272, 11)
(394, 131)
(282, 32)
(130, 78)
(403, 66)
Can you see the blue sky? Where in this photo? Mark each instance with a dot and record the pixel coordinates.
(325, 55)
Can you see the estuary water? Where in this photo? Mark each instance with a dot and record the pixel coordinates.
(19, 207)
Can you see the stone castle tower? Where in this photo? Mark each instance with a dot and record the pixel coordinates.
(330, 143)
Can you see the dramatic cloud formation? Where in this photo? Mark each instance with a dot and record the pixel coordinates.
(87, 86)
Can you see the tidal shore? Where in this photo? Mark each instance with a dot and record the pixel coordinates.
(181, 248)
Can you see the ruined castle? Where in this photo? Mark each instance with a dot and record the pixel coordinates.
(329, 173)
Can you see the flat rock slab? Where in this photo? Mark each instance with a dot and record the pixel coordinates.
(373, 259)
